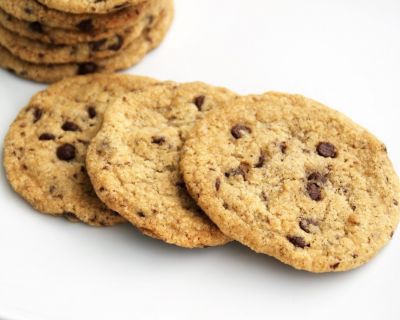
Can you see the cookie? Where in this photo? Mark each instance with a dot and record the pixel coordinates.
(291, 178)
(133, 162)
(45, 148)
(43, 33)
(89, 6)
(126, 58)
(42, 53)
(33, 11)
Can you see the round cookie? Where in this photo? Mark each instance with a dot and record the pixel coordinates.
(43, 53)
(291, 178)
(43, 33)
(33, 11)
(126, 58)
(89, 6)
(133, 162)
(45, 148)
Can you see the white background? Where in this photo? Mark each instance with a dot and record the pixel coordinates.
(345, 53)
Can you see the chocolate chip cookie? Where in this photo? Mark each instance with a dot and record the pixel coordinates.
(45, 148)
(89, 6)
(149, 40)
(133, 161)
(293, 179)
(43, 53)
(43, 33)
(33, 11)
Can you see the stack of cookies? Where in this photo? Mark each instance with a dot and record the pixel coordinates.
(47, 40)
(196, 166)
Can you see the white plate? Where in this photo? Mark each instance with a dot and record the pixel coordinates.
(343, 53)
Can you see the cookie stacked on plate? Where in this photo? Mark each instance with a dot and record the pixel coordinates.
(46, 41)
(196, 165)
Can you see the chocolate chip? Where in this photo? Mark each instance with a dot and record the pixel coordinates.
(217, 184)
(117, 45)
(395, 202)
(92, 112)
(392, 234)
(327, 150)
(37, 114)
(242, 170)
(70, 216)
(317, 177)
(283, 147)
(66, 152)
(70, 126)
(261, 160)
(314, 191)
(298, 241)
(47, 136)
(36, 27)
(305, 224)
(96, 45)
(158, 140)
(239, 130)
(28, 10)
(141, 214)
(86, 68)
(335, 266)
(85, 25)
(199, 101)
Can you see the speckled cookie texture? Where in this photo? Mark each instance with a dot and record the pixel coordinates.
(89, 6)
(293, 179)
(45, 148)
(133, 161)
(41, 53)
(33, 11)
(43, 33)
(150, 39)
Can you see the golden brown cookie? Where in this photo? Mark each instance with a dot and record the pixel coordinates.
(133, 161)
(45, 148)
(293, 179)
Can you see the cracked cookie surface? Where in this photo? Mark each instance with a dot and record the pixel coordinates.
(45, 148)
(293, 179)
(133, 161)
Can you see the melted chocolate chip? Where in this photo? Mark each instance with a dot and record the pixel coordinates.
(217, 184)
(327, 150)
(37, 114)
(96, 45)
(66, 152)
(335, 266)
(298, 241)
(242, 170)
(395, 202)
(87, 68)
(36, 27)
(70, 126)
(141, 214)
(305, 224)
(283, 147)
(199, 101)
(261, 160)
(92, 112)
(117, 45)
(317, 177)
(85, 25)
(158, 140)
(239, 130)
(47, 136)
(314, 191)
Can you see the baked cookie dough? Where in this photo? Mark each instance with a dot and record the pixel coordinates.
(133, 161)
(45, 148)
(291, 178)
